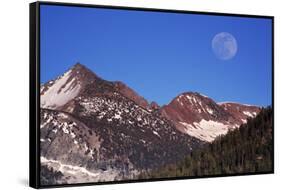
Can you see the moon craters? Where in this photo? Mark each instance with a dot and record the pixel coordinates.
(224, 46)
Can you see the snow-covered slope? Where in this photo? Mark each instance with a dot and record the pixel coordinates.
(205, 130)
(58, 92)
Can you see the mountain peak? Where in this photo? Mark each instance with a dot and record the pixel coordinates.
(192, 93)
(200, 116)
(189, 97)
(56, 93)
(78, 64)
(79, 68)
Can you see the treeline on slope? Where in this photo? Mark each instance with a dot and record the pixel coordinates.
(247, 149)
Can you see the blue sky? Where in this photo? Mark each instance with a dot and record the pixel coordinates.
(160, 55)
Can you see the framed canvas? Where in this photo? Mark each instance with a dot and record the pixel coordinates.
(121, 94)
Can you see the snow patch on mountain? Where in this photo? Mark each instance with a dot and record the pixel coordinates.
(229, 102)
(155, 133)
(66, 168)
(203, 95)
(60, 92)
(250, 114)
(205, 130)
(210, 111)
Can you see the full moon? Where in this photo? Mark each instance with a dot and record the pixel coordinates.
(224, 46)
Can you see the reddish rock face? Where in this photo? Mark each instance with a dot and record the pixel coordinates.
(154, 106)
(201, 117)
(240, 112)
(131, 94)
(193, 107)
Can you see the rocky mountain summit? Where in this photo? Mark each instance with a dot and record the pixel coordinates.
(199, 116)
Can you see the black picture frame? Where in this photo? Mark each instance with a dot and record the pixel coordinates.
(34, 90)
